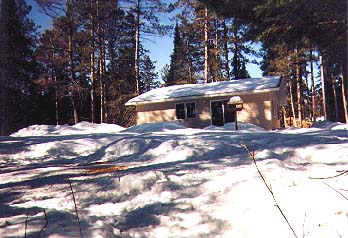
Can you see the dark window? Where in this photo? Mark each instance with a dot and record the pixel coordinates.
(185, 110)
(217, 113)
(180, 111)
(191, 109)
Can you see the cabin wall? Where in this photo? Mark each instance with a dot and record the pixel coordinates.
(259, 109)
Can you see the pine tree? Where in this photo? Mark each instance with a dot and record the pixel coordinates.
(148, 76)
(147, 23)
(18, 66)
(179, 72)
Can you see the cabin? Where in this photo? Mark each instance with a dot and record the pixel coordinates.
(202, 105)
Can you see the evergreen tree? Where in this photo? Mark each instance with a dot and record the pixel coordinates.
(18, 67)
(147, 23)
(179, 65)
(239, 49)
(148, 76)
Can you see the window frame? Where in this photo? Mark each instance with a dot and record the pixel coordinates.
(185, 108)
(176, 111)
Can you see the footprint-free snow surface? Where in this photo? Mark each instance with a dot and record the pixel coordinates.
(166, 181)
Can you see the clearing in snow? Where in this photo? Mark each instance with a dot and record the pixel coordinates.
(163, 180)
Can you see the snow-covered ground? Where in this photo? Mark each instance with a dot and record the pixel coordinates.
(173, 181)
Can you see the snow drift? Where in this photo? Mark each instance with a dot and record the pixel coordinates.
(165, 180)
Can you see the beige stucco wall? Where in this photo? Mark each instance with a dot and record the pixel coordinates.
(257, 110)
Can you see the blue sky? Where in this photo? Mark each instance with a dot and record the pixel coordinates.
(159, 47)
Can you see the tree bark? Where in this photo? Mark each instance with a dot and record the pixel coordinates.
(333, 84)
(298, 89)
(284, 117)
(72, 67)
(206, 45)
(101, 64)
(292, 104)
(226, 51)
(137, 43)
(344, 100)
(322, 86)
(217, 54)
(92, 62)
(313, 87)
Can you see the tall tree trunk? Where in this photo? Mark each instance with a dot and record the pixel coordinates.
(92, 62)
(206, 45)
(306, 94)
(292, 104)
(333, 84)
(298, 89)
(56, 99)
(105, 115)
(235, 61)
(54, 77)
(344, 99)
(284, 117)
(101, 63)
(217, 75)
(322, 86)
(71, 62)
(291, 97)
(226, 51)
(313, 87)
(137, 47)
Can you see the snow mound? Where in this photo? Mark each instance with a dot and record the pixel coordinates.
(242, 126)
(79, 128)
(330, 125)
(156, 127)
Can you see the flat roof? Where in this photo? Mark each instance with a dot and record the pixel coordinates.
(195, 91)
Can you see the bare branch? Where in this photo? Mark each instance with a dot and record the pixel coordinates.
(334, 176)
(25, 228)
(252, 156)
(46, 223)
(77, 215)
(336, 191)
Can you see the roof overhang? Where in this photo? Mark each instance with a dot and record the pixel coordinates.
(187, 98)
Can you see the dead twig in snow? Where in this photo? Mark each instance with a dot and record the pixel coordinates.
(334, 176)
(336, 191)
(46, 223)
(77, 215)
(252, 156)
(25, 227)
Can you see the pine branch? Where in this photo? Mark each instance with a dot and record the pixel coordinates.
(252, 156)
(77, 215)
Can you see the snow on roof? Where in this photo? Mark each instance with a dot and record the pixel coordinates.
(233, 87)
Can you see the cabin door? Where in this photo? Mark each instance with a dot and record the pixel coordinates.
(217, 113)
(221, 113)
